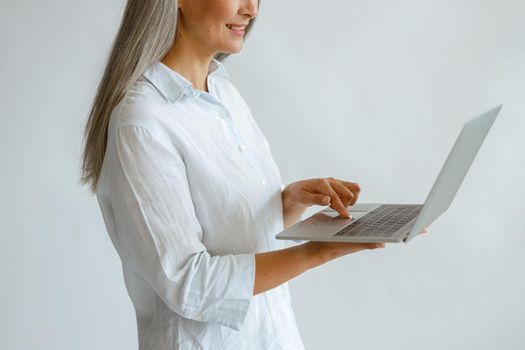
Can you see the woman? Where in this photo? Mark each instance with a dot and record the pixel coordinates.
(188, 188)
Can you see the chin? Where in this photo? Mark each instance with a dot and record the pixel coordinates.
(232, 48)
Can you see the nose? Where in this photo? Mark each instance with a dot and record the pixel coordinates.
(250, 8)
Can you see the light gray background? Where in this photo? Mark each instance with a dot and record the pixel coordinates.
(369, 91)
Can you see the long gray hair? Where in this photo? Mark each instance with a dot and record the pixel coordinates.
(146, 33)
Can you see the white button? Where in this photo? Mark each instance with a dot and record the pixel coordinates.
(222, 114)
(263, 183)
(242, 148)
(270, 220)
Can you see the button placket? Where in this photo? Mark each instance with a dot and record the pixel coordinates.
(241, 146)
(224, 115)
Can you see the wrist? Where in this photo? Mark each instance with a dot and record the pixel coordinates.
(288, 201)
(312, 254)
(291, 206)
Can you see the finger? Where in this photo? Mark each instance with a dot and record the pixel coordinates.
(335, 202)
(375, 245)
(345, 195)
(316, 198)
(354, 188)
(355, 247)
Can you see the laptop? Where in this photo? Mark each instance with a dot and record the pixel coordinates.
(389, 223)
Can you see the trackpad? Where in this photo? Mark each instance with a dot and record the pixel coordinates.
(327, 222)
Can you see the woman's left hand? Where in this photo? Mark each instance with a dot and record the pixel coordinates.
(338, 194)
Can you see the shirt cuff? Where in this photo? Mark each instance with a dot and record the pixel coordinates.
(228, 304)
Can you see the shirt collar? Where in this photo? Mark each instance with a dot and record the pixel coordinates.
(172, 85)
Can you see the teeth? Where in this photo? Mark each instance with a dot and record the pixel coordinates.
(235, 27)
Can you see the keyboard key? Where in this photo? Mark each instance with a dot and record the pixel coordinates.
(383, 221)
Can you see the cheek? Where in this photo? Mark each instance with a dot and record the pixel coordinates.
(212, 26)
(215, 34)
(218, 13)
(209, 18)
(207, 32)
(220, 35)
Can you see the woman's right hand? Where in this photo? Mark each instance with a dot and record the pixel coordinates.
(276, 267)
(323, 252)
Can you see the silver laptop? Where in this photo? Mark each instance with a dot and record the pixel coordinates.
(376, 222)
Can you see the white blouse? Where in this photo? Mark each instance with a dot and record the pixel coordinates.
(189, 192)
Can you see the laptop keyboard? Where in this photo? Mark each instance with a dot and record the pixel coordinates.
(383, 221)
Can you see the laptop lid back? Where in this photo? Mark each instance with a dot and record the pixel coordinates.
(454, 170)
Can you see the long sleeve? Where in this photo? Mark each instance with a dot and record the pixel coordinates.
(160, 237)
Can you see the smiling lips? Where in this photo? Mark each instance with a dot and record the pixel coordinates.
(237, 29)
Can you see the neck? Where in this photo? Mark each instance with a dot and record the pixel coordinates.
(189, 61)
